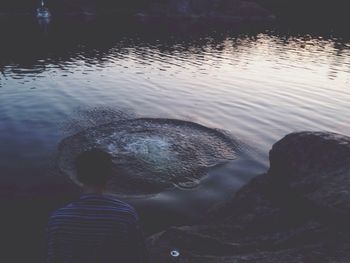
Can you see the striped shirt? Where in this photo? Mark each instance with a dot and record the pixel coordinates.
(95, 229)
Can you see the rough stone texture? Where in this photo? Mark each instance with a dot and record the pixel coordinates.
(274, 220)
(315, 166)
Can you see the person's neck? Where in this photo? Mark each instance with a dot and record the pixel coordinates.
(93, 190)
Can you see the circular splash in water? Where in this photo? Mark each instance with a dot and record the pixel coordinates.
(151, 155)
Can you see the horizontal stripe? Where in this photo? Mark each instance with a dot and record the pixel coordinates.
(92, 229)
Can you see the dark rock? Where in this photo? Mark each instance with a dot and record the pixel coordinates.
(252, 228)
(269, 220)
(315, 166)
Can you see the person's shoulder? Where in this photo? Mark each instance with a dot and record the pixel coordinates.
(62, 210)
(120, 205)
(108, 202)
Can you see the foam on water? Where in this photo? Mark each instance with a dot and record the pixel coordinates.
(152, 155)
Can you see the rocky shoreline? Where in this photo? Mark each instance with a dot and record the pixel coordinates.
(217, 10)
(296, 212)
(323, 13)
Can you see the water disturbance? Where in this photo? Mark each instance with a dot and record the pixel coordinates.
(152, 155)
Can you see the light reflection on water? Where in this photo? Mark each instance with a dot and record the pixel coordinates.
(259, 85)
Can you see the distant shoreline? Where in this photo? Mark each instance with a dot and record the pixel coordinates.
(323, 12)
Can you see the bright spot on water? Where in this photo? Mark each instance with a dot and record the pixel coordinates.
(156, 149)
(175, 253)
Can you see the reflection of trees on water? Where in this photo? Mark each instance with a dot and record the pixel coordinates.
(339, 59)
(29, 50)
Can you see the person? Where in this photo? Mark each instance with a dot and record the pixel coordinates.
(97, 228)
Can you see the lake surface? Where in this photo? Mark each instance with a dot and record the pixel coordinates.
(257, 83)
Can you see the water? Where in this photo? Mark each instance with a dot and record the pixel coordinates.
(152, 155)
(257, 83)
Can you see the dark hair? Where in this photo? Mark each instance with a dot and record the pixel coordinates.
(93, 167)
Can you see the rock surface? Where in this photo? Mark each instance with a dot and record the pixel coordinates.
(315, 166)
(281, 216)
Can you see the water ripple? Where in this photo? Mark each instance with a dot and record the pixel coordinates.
(258, 85)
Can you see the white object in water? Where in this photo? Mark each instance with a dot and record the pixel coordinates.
(175, 253)
(43, 12)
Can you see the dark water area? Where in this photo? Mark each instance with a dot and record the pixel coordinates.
(61, 77)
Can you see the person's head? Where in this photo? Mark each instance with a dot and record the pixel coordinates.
(93, 168)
